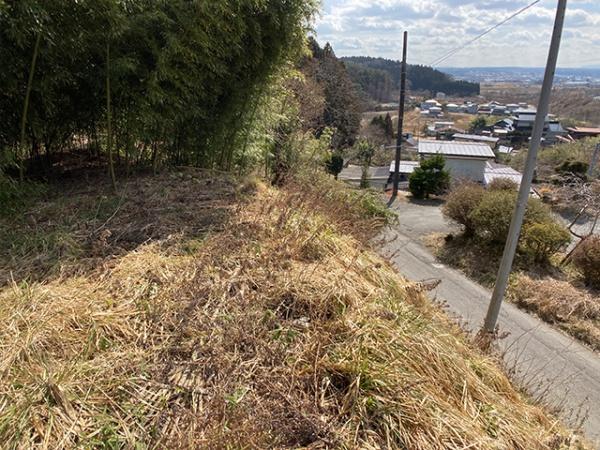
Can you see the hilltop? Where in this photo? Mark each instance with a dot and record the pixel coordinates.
(379, 78)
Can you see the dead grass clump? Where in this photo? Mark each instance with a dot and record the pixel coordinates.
(241, 341)
(77, 225)
(574, 310)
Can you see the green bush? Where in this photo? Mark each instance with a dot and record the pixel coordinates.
(587, 259)
(430, 178)
(491, 218)
(461, 202)
(542, 240)
(575, 167)
(503, 184)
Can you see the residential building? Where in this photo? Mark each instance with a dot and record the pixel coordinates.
(488, 140)
(464, 160)
(494, 171)
(427, 105)
(453, 108)
(582, 132)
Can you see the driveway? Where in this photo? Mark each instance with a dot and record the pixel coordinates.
(552, 366)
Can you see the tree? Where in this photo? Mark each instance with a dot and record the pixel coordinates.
(335, 164)
(477, 124)
(430, 178)
(342, 105)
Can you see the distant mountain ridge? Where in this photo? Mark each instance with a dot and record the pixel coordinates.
(379, 78)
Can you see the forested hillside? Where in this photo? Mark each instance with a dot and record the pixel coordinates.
(379, 78)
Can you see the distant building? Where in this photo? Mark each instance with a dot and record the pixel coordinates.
(427, 105)
(436, 111)
(582, 132)
(453, 108)
(495, 171)
(489, 140)
(440, 96)
(464, 160)
(470, 108)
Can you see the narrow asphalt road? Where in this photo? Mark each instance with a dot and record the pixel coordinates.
(552, 366)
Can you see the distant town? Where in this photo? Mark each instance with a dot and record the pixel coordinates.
(589, 77)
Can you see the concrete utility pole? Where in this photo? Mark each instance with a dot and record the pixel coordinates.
(521, 207)
(400, 121)
(594, 162)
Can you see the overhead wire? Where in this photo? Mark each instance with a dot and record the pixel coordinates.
(488, 31)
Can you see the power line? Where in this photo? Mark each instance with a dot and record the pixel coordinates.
(498, 25)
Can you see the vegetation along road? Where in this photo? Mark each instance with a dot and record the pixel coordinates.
(552, 366)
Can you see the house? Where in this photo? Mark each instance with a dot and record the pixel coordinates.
(470, 108)
(489, 140)
(466, 160)
(439, 127)
(581, 132)
(427, 105)
(485, 110)
(512, 107)
(453, 108)
(406, 169)
(494, 171)
(435, 111)
(377, 176)
(499, 110)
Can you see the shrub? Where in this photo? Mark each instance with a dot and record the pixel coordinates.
(575, 167)
(503, 184)
(491, 219)
(587, 259)
(542, 240)
(430, 178)
(335, 164)
(461, 202)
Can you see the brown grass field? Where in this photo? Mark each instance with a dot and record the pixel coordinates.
(196, 310)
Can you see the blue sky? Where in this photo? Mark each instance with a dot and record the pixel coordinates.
(374, 28)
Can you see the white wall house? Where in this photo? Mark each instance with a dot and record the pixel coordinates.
(464, 160)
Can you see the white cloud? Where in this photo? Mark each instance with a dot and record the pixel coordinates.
(374, 28)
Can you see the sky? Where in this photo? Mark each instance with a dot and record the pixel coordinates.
(435, 27)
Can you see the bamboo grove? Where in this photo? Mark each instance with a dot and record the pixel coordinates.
(140, 82)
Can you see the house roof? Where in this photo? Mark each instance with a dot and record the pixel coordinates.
(405, 166)
(453, 148)
(476, 138)
(584, 130)
(354, 173)
(494, 171)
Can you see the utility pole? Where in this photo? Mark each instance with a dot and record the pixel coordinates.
(594, 162)
(521, 207)
(400, 122)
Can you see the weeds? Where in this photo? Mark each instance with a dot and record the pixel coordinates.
(281, 330)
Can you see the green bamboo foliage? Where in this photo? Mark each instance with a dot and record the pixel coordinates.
(185, 77)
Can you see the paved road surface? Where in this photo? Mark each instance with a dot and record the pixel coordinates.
(553, 366)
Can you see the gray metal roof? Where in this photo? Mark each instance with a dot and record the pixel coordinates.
(494, 171)
(476, 137)
(454, 148)
(405, 166)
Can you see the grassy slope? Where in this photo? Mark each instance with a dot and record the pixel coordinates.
(277, 329)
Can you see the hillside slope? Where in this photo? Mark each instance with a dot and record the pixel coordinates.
(269, 324)
(380, 79)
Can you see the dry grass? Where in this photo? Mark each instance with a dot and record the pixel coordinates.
(574, 310)
(280, 331)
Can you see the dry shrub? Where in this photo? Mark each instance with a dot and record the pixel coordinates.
(542, 240)
(245, 342)
(587, 259)
(503, 184)
(461, 202)
(560, 303)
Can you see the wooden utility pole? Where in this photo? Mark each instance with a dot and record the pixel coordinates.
(521, 207)
(400, 122)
